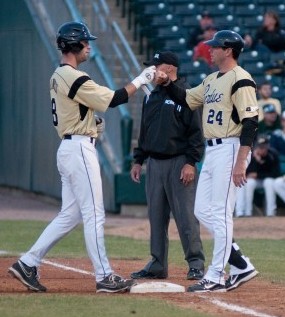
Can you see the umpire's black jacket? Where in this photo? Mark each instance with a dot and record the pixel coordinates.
(168, 130)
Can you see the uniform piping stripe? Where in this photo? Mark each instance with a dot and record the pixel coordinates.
(76, 85)
(227, 198)
(94, 210)
(243, 83)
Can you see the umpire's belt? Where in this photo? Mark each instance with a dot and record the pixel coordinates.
(212, 142)
(79, 137)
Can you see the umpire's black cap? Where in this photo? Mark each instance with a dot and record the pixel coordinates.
(166, 57)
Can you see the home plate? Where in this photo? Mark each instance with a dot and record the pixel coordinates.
(157, 287)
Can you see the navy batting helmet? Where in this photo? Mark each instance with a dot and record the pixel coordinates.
(227, 39)
(70, 34)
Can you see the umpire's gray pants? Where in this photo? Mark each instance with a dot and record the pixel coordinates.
(166, 193)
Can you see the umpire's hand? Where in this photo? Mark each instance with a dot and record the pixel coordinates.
(187, 174)
(136, 173)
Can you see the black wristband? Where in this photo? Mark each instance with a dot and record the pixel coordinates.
(167, 82)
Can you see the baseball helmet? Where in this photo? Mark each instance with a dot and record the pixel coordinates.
(70, 34)
(227, 39)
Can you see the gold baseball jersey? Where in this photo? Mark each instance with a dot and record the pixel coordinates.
(226, 101)
(75, 98)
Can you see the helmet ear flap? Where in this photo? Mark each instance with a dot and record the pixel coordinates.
(69, 46)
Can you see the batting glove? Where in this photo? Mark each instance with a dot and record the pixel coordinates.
(146, 77)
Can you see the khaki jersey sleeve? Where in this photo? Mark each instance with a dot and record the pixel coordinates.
(245, 101)
(94, 96)
(194, 96)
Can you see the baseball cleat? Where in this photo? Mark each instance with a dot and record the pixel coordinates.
(113, 284)
(236, 280)
(27, 275)
(206, 286)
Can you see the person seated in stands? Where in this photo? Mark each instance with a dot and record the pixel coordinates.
(279, 187)
(277, 139)
(269, 36)
(202, 50)
(264, 97)
(197, 34)
(271, 120)
(263, 169)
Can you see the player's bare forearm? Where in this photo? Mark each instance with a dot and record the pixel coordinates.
(239, 171)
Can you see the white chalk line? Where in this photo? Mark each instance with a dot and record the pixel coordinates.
(217, 302)
(236, 308)
(67, 268)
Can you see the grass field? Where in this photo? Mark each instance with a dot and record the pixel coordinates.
(17, 236)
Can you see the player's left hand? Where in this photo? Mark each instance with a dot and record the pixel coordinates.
(100, 125)
(239, 174)
(187, 174)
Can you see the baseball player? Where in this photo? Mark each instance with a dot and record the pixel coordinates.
(230, 120)
(74, 98)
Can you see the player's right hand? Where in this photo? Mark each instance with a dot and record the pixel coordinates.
(136, 173)
(146, 77)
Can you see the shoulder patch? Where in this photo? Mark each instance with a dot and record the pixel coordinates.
(252, 109)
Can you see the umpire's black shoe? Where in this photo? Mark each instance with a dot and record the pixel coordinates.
(113, 284)
(195, 274)
(27, 275)
(147, 275)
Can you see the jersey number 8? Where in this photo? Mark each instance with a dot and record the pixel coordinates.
(54, 115)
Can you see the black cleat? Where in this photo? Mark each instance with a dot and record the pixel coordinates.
(235, 280)
(113, 284)
(206, 286)
(27, 275)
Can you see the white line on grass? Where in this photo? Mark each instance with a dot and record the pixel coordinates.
(234, 308)
(67, 268)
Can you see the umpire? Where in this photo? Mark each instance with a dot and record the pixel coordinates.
(171, 142)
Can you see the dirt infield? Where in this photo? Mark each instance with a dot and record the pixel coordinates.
(256, 298)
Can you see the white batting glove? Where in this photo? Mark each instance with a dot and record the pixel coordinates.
(100, 125)
(146, 77)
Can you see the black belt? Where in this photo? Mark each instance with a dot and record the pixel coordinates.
(212, 142)
(69, 137)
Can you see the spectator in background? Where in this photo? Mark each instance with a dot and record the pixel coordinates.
(197, 35)
(271, 120)
(269, 35)
(263, 169)
(265, 97)
(277, 140)
(279, 187)
(202, 50)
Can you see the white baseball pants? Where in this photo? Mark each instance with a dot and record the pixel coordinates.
(245, 197)
(82, 199)
(279, 187)
(215, 202)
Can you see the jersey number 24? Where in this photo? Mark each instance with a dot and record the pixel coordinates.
(213, 116)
